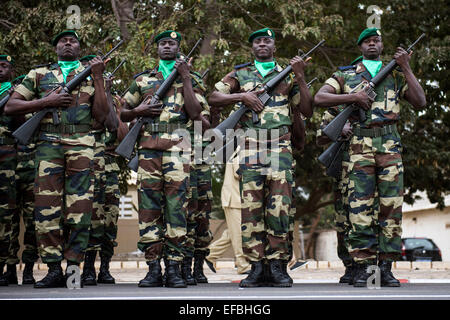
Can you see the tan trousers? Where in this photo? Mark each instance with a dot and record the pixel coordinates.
(231, 236)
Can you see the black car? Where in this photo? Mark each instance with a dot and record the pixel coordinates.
(420, 249)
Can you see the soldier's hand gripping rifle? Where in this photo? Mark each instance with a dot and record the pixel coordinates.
(126, 147)
(334, 128)
(232, 143)
(268, 87)
(24, 133)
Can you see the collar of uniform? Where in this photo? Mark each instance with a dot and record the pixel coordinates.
(361, 68)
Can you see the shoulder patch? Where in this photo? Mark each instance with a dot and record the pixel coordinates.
(242, 65)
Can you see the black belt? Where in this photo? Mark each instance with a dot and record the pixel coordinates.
(65, 128)
(163, 127)
(281, 132)
(375, 132)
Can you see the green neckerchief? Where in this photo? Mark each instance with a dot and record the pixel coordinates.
(264, 67)
(373, 66)
(67, 67)
(4, 87)
(166, 67)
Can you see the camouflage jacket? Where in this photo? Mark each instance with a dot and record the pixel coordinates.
(41, 81)
(276, 112)
(6, 122)
(386, 108)
(173, 111)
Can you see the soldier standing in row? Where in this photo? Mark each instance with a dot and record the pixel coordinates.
(64, 154)
(164, 160)
(24, 175)
(8, 164)
(375, 155)
(266, 192)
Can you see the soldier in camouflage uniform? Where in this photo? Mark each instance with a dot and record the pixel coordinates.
(375, 154)
(98, 219)
(8, 163)
(164, 152)
(24, 175)
(266, 189)
(112, 192)
(199, 209)
(63, 184)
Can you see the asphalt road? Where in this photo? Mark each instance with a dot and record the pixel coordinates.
(231, 291)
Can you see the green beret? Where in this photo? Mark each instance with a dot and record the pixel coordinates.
(87, 58)
(368, 33)
(7, 58)
(64, 33)
(266, 32)
(168, 34)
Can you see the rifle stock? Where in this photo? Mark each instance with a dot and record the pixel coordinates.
(133, 164)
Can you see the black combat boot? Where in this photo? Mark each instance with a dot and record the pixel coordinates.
(348, 274)
(153, 278)
(88, 278)
(277, 278)
(284, 265)
(256, 276)
(199, 259)
(54, 278)
(173, 275)
(387, 278)
(27, 276)
(11, 274)
(186, 271)
(3, 281)
(361, 275)
(104, 276)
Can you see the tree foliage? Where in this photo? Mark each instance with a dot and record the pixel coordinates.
(28, 26)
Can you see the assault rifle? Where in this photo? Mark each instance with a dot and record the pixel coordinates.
(334, 128)
(268, 87)
(233, 143)
(24, 133)
(126, 147)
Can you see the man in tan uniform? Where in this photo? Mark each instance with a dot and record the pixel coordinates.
(231, 203)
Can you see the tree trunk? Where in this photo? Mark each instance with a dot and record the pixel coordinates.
(123, 11)
(309, 243)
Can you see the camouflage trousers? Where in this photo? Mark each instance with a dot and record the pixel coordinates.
(111, 208)
(266, 197)
(199, 209)
(97, 228)
(63, 200)
(25, 173)
(377, 167)
(163, 182)
(8, 162)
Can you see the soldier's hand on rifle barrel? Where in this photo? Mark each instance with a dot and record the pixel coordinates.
(57, 99)
(363, 100)
(402, 57)
(298, 65)
(251, 100)
(183, 68)
(347, 131)
(97, 66)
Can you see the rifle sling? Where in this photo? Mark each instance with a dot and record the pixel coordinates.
(65, 128)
